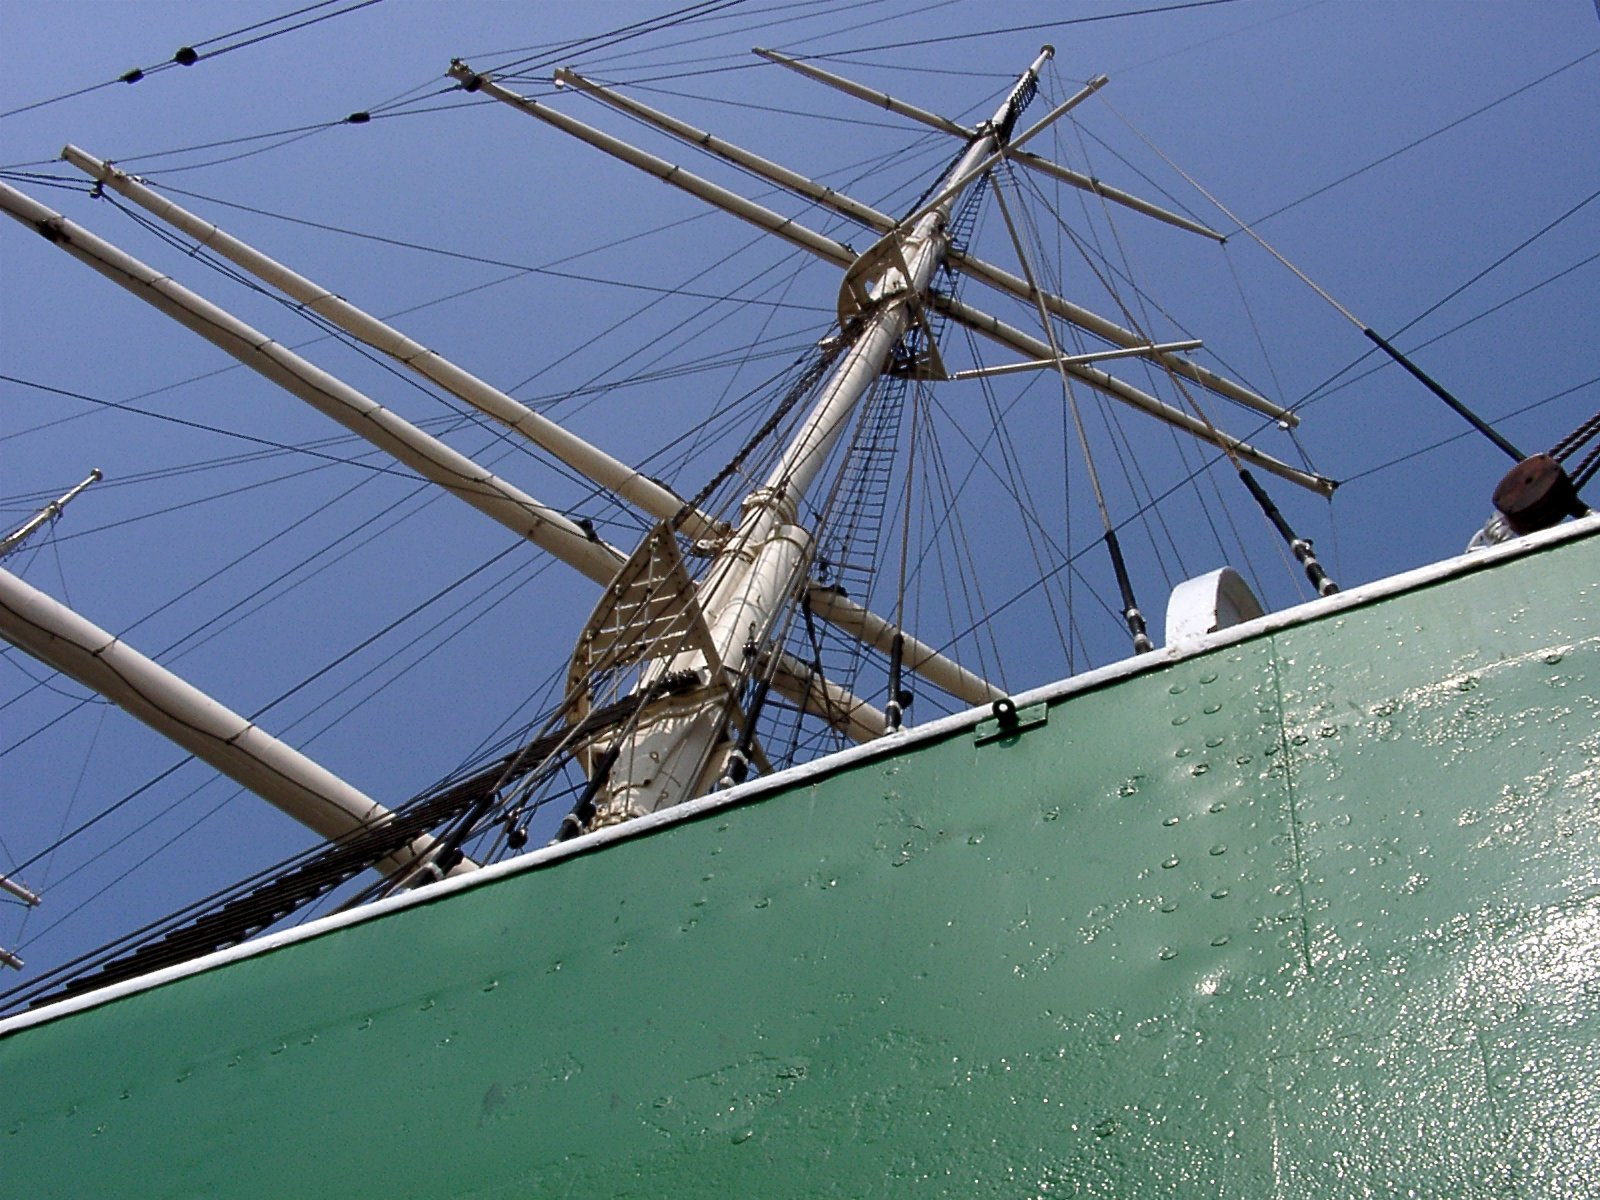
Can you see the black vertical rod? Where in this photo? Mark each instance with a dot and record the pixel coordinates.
(1438, 390)
(577, 821)
(737, 769)
(1130, 610)
(893, 710)
(1300, 546)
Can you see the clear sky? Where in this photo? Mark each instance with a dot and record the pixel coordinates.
(1393, 151)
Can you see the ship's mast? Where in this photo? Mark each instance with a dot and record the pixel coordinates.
(675, 750)
(694, 653)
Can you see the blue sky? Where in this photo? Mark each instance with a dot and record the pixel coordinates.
(1266, 104)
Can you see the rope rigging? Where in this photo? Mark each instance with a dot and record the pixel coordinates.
(872, 475)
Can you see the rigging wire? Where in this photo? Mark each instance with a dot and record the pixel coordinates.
(1033, 27)
(815, 10)
(547, 269)
(1328, 387)
(1135, 477)
(1427, 137)
(308, 680)
(1131, 613)
(121, 406)
(625, 33)
(498, 433)
(188, 55)
(1371, 334)
(367, 527)
(1069, 575)
(1504, 258)
(1411, 455)
(298, 687)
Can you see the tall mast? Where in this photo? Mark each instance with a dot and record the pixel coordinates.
(672, 751)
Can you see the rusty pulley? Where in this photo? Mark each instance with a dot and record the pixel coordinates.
(1536, 494)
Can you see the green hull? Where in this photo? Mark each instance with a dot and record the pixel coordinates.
(1313, 913)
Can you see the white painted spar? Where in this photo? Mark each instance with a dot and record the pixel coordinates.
(1037, 348)
(880, 222)
(48, 513)
(588, 460)
(1089, 183)
(1067, 360)
(426, 455)
(729, 152)
(960, 182)
(846, 615)
(1092, 322)
(822, 697)
(237, 747)
(870, 95)
(935, 121)
(31, 899)
(670, 756)
(992, 327)
(759, 216)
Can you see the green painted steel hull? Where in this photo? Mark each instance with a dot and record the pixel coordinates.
(1313, 914)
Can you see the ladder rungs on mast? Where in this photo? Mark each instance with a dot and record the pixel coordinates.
(820, 697)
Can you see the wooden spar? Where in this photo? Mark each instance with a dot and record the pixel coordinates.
(49, 512)
(840, 254)
(1036, 348)
(1027, 159)
(846, 615)
(587, 460)
(1000, 152)
(429, 457)
(870, 95)
(384, 338)
(1067, 360)
(987, 273)
(826, 700)
(1089, 183)
(1091, 322)
(7, 884)
(668, 757)
(70, 643)
(882, 223)
(764, 167)
(756, 214)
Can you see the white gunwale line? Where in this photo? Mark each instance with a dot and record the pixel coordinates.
(895, 743)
